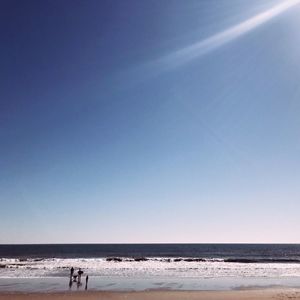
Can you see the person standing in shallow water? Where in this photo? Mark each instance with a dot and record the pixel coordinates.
(86, 281)
(80, 272)
(71, 277)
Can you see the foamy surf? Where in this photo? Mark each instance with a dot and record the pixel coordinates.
(171, 267)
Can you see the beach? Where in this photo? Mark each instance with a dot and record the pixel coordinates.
(278, 293)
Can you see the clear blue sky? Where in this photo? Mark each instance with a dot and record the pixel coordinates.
(149, 121)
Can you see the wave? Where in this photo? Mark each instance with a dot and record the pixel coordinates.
(138, 259)
(20, 262)
(197, 259)
(261, 260)
(194, 267)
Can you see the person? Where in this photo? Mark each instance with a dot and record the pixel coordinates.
(80, 272)
(72, 272)
(71, 277)
(86, 281)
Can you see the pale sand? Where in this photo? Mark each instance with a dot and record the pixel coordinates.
(277, 294)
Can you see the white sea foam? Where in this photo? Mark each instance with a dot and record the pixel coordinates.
(147, 268)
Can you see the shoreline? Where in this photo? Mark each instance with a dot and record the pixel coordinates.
(280, 293)
(118, 284)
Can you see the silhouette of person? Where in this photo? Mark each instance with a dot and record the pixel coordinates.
(72, 272)
(86, 281)
(80, 272)
(71, 277)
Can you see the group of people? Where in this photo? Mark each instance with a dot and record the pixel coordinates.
(77, 278)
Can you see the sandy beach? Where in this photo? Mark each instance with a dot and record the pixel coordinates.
(278, 293)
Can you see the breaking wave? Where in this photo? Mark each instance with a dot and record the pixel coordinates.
(193, 267)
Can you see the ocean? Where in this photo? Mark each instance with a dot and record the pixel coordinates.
(146, 266)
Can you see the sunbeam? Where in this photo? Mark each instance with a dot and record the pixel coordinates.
(196, 50)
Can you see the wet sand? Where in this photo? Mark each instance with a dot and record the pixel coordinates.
(265, 294)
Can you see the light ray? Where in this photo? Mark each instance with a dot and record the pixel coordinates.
(195, 50)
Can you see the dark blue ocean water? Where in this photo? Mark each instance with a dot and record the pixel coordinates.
(230, 252)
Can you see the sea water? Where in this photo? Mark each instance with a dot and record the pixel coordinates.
(150, 266)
